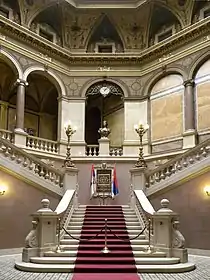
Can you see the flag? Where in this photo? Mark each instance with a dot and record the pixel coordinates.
(115, 190)
(93, 181)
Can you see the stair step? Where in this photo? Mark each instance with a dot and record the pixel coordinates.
(66, 236)
(73, 253)
(102, 258)
(62, 268)
(101, 241)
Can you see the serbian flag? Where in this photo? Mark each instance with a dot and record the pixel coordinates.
(93, 181)
(115, 190)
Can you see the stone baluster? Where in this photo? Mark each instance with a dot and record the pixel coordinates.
(189, 139)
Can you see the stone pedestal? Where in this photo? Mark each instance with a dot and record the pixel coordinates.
(42, 237)
(138, 179)
(167, 237)
(70, 180)
(103, 147)
(20, 138)
(189, 139)
(77, 148)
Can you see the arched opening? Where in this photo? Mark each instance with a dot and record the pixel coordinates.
(48, 25)
(104, 101)
(7, 86)
(41, 107)
(162, 27)
(105, 38)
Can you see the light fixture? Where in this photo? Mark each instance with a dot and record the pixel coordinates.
(140, 130)
(69, 132)
(3, 189)
(207, 190)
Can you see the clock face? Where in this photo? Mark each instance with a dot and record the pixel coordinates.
(104, 91)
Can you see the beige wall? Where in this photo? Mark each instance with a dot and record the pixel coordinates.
(167, 116)
(193, 205)
(116, 124)
(203, 105)
(123, 177)
(16, 205)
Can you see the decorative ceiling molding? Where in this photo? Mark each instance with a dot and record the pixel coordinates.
(181, 38)
(103, 4)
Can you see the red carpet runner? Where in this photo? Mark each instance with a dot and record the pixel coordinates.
(91, 263)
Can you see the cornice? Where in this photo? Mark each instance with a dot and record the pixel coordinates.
(78, 59)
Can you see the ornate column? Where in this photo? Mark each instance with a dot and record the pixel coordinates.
(20, 134)
(21, 85)
(3, 114)
(189, 139)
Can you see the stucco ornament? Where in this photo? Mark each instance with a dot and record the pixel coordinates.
(31, 238)
(178, 239)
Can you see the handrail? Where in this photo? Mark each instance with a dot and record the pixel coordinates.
(177, 158)
(64, 203)
(144, 201)
(31, 157)
(42, 139)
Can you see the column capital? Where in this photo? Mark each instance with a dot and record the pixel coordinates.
(21, 82)
(189, 83)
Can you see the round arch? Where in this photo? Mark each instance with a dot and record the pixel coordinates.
(93, 81)
(96, 25)
(197, 64)
(160, 75)
(39, 11)
(50, 75)
(12, 62)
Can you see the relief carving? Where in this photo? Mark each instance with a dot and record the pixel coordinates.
(77, 26)
(178, 239)
(31, 238)
(133, 28)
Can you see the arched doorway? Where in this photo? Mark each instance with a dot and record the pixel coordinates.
(41, 107)
(104, 101)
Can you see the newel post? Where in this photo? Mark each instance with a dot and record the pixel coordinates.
(138, 178)
(167, 236)
(42, 237)
(70, 180)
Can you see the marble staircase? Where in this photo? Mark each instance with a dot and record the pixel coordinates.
(64, 260)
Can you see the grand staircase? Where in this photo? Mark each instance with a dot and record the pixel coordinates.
(85, 256)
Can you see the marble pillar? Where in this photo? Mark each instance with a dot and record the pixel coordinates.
(189, 135)
(20, 134)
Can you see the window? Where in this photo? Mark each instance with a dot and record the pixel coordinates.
(4, 12)
(45, 35)
(105, 49)
(165, 35)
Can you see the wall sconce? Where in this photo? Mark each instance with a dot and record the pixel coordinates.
(3, 189)
(207, 190)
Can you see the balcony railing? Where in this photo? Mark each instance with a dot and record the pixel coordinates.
(31, 163)
(6, 134)
(178, 164)
(41, 144)
(92, 150)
